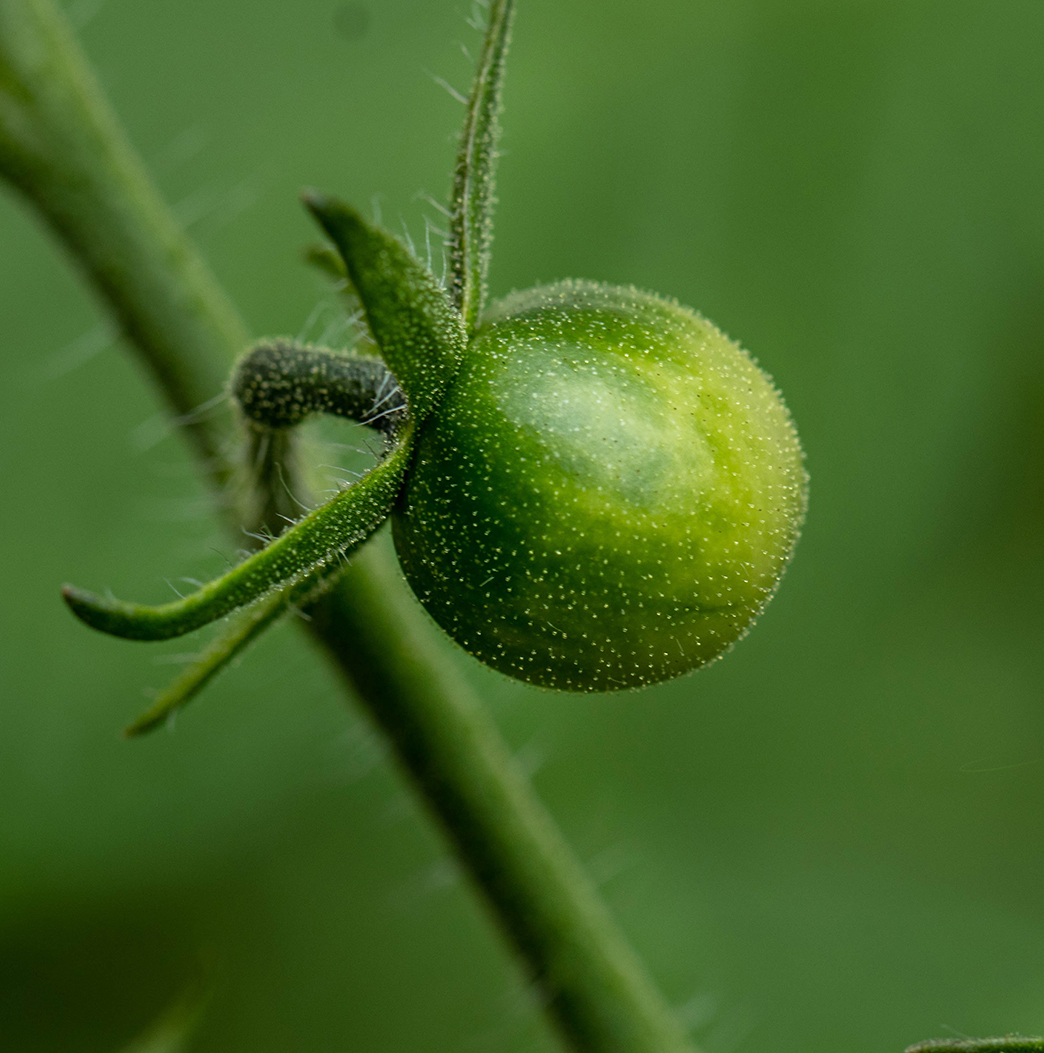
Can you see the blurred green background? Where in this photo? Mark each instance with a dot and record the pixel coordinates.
(830, 840)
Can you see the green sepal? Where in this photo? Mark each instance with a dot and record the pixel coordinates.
(472, 198)
(420, 333)
(313, 546)
(326, 261)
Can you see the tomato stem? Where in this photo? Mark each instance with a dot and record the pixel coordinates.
(62, 146)
(472, 198)
(281, 382)
(596, 989)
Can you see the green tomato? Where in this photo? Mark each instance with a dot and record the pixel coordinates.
(608, 494)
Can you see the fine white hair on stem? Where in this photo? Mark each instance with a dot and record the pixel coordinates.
(313, 317)
(478, 20)
(336, 328)
(264, 536)
(374, 415)
(381, 415)
(443, 83)
(199, 412)
(388, 388)
(349, 447)
(290, 493)
(423, 195)
(406, 234)
(261, 451)
(339, 468)
(78, 352)
(224, 557)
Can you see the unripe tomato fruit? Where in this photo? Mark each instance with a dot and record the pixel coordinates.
(608, 494)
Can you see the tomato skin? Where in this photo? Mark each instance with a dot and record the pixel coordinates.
(608, 494)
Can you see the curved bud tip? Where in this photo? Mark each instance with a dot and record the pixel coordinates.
(315, 201)
(131, 621)
(82, 603)
(89, 607)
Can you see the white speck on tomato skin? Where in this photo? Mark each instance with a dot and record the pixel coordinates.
(608, 495)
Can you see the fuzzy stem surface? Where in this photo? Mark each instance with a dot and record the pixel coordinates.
(597, 990)
(62, 147)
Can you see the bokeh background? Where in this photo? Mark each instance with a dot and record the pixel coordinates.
(830, 840)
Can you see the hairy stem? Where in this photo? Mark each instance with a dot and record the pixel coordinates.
(281, 383)
(60, 144)
(597, 990)
(472, 198)
(63, 147)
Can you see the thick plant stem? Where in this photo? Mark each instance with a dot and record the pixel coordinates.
(61, 145)
(595, 987)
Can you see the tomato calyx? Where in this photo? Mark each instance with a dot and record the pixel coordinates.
(590, 487)
(420, 332)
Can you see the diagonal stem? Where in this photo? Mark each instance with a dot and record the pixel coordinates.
(596, 989)
(62, 146)
(472, 198)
